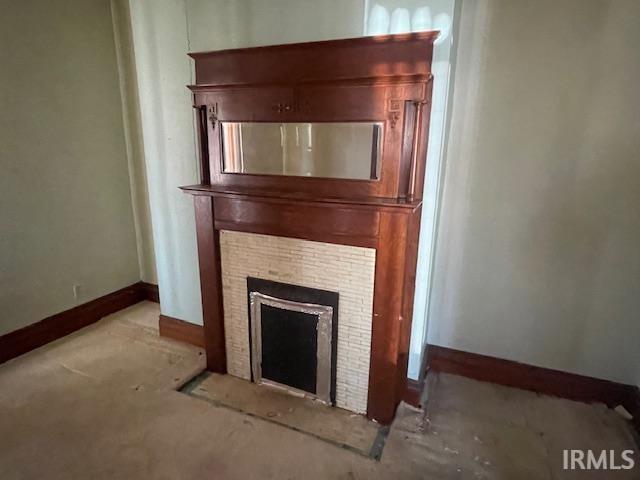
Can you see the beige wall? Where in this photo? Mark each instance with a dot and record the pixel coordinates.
(65, 202)
(538, 250)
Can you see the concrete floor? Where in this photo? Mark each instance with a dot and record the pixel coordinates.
(101, 403)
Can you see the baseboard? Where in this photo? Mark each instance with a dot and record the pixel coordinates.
(528, 377)
(151, 292)
(413, 393)
(56, 326)
(181, 331)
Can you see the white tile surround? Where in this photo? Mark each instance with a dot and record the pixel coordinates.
(344, 269)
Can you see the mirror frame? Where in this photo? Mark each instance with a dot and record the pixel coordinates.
(384, 79)
(234, 147)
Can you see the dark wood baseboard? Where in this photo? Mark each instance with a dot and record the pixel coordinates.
(413, 393)
(56, 326)
(151, 292)
(181, 331)
(537, 379)
(528, 377)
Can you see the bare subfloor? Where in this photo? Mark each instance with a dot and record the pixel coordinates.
(333, 425)
(102, 403)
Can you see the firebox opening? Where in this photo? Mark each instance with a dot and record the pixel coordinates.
(293, 337)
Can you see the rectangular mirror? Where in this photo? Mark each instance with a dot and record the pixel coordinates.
(349, 150)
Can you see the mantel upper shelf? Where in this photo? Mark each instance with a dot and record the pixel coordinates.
(373, 39)
(390, 79)
(387, 58)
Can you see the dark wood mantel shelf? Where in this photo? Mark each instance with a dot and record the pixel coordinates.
(372, 202)
(386, 80)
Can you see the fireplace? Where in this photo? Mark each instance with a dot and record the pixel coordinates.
(311, 176)
(305, 272)
(293, 338)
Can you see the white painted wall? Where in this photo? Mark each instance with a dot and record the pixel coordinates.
(537, 254)
(160, 40)
(65, 202)
(219, 24)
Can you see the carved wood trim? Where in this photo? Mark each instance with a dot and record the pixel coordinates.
(366, 79)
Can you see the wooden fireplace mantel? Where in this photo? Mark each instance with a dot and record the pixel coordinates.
(384, 79)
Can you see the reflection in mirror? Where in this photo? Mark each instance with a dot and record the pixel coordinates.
(331, 150)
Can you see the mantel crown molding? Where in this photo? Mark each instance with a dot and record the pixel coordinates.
(395, 58)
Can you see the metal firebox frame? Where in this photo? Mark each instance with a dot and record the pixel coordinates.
(323, 353)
